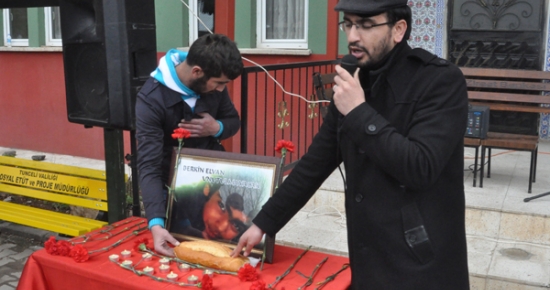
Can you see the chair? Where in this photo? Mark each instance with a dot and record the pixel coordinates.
(474, 143)
(322, 84)
(513, 142)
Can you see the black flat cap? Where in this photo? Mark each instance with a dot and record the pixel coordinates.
(368, 7)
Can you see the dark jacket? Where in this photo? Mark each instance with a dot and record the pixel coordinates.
(158, 112)
(403, 156)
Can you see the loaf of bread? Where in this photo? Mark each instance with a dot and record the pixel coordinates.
(209, 254)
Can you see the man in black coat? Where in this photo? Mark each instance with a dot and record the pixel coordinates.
(397, 124)
(187, 91)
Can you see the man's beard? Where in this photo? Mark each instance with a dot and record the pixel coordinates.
(199, 85)
(376, 61)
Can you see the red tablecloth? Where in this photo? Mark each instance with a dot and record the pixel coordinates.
(44, 271)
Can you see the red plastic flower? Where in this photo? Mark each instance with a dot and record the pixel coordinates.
(207, 283)
(258, 285)
(288, 145)
(63, 248)
(247, 273)
(180, 133)
(79, 254)
(50, 246)
(138, 242)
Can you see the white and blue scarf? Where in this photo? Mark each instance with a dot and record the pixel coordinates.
(166, 75)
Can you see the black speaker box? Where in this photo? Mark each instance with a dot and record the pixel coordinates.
(109, 50)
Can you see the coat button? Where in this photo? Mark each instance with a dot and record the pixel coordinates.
(371, 127)
(442, 61)
(411, 239)
(360, 151)
(358, 198)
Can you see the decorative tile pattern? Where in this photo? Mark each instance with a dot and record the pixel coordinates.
(429, 32)
(425, 22)
(428, 25)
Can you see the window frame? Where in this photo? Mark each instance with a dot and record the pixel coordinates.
(262, 42)
(50, 41)
(193, 22)
(7, 30)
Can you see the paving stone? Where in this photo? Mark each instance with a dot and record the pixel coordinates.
(6, 279)
(5, 261)
(17, 274)
(6, 287)
(36, 248)
(6, 253)
(14, 283)
(26, 253)
(6, 246)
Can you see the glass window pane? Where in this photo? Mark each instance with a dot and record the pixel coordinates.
(285, 19)
(18, 23)
(56, 23)
(206, 14)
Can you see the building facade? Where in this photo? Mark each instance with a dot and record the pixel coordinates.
(33, 112)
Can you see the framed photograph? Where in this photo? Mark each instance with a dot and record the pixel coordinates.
(215, 195)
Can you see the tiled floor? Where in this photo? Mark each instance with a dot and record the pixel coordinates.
(504, 191)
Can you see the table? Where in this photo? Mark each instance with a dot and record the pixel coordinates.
(44, 271)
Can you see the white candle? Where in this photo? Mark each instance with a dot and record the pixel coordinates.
(164, 261)
(113, 258)
(192, 279)
(172, 276)
(208, 272)
(126, 254)
(147, 257)
(148, 270)
(127, 263)
(164, 268)
(184, 267)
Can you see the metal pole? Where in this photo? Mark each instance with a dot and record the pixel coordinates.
(136, 205)
(114, 169)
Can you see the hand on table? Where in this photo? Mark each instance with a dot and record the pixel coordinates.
(161, 238)
(201, 127)
(249, 239)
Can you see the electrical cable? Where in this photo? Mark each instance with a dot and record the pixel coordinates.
(258, 65)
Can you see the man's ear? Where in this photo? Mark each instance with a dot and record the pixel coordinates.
(206, 190)
(196, 72)
(399, 29)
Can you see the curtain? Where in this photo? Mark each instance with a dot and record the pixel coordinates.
(18, 23)
(285, 19)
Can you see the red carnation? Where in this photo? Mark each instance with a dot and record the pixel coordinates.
(207, 283)
(63, 248)
(50, 247)
(258, 285)
(79, 254)
(138, 242)
(247, 273)
(288, 145)
(180, 133)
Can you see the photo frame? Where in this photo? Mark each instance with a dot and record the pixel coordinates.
(215, 195)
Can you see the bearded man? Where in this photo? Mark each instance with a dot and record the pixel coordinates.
(187, 90)
(397, 124)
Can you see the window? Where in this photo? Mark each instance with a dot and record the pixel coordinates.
(15, 25)
(282, 24)
(204, 9)
(53, 26)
